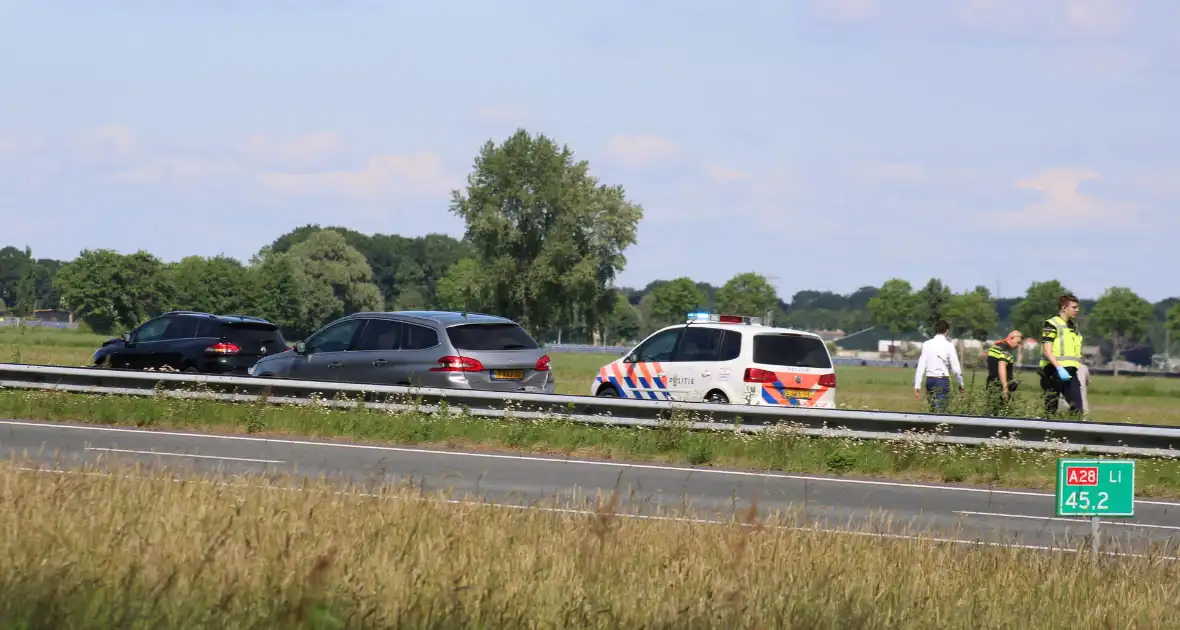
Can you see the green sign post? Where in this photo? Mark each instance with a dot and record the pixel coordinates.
(1095, 488)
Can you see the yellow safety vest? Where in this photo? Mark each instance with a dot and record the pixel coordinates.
(1067, 347)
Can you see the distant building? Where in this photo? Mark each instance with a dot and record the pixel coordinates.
(830, 335)
(878, 339)
(53, 315)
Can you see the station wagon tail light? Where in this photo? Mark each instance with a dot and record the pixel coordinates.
(758, 375)
(457, 364)
(542, 364)
(827, 380)
(223, 347)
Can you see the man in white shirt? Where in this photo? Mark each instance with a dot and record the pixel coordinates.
(937, 362)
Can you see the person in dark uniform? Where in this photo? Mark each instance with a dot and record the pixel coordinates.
(1061, 349)
(1000, 375)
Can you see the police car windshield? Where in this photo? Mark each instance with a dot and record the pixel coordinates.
(789, 350)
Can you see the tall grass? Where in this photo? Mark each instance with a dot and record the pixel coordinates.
(152, 551)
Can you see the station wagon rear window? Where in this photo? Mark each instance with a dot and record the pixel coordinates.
(789, 350)
(490, 337)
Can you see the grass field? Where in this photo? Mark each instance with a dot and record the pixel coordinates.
(130, 551)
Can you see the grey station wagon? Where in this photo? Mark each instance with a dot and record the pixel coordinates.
(421, 349)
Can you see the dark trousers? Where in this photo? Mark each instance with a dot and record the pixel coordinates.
(1054, 389)
(938, 388)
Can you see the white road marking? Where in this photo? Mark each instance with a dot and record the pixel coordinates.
(232, 459)
(649, 517)
(558, 460)
(1079, 520)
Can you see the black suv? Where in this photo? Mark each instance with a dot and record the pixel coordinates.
(190, 341)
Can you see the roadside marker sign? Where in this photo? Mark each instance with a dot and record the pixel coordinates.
(1095, 488)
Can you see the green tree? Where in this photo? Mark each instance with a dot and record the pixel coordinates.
(285, 295)
(401, 265)
(673, 301)
(110, 291)
(27, 296)
(462, 288)
(12, 268)
(1123, 317)
(971, 314)
(328, 260)
(931, 300)
(1173, 320)
(747, 294)
(896, 307)
(1039, 304)
(217, 285)
(548, 236)
(623, 323)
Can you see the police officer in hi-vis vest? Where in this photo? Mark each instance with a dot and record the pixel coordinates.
(1061, 349)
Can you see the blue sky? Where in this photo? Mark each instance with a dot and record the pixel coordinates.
(829, 144)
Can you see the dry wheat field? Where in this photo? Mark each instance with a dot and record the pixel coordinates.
(139, 549)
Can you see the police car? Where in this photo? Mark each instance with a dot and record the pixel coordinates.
(724, 359)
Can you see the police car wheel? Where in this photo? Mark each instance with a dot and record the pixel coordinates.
(716, 397)
(607, 392)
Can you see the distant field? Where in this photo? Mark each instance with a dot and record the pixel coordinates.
(1113, 399)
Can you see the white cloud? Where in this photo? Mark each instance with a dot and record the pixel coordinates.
(18, 145)
(501, 115)
(307, 165)
(177, 171)
(383, 177)
(850, 10)
(1063, 205)
(644, 150)
(306, 151)
(1161, 183)
(107, 144)
(889, 172)
(1093, 17)
(723, 174)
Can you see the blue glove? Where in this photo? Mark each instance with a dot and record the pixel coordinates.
(1062, 374)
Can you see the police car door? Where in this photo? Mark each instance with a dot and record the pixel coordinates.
(646, 371)
(693, 369)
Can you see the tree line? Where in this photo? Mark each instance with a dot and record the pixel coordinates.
(543, 244)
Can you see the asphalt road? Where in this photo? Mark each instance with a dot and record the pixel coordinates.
(968, 514)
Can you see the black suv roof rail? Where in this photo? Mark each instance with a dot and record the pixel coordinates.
(252, 318)
(181, 312)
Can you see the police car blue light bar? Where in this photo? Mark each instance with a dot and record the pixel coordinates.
(724, 319)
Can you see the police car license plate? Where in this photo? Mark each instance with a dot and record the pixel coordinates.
(507, 375)
(798, 393)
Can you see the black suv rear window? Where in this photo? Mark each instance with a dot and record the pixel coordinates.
(243, 333)
(791, 351)
(490, 337)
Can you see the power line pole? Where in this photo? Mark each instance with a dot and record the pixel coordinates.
(770, 311)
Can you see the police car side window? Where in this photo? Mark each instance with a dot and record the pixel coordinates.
(731, 345)
(699, 344)
(659, 348)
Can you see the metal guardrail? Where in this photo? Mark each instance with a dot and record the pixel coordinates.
(1109, 438)
(35, 323)
(903, 363)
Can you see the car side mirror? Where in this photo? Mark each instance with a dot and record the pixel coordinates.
(126, 337)
(300, 347)
(629, 358)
